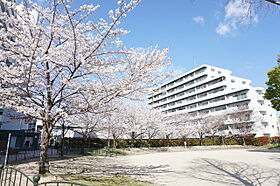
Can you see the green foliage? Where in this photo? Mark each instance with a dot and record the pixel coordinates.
(273, 90)
(232, 141)
(115, 151)
(275, 140)
(260, 141)
(146, 143)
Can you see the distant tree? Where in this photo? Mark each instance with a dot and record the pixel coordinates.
(216, 124)
(177, 125)
(272, 92)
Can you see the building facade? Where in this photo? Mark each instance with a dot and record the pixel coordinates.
(24, 134)
(208, 90)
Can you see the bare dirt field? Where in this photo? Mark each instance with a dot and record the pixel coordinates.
(186, 167)
(215, 167)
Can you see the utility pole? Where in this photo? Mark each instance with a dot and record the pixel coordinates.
(7, 150)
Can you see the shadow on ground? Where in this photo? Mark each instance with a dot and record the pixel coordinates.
(100, 166)
(228, 173)
(265, 150)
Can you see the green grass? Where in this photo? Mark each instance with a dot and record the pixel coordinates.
(274, 146)
(105, 181)
(117, 152)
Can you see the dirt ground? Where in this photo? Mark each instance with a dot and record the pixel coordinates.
(177, 167)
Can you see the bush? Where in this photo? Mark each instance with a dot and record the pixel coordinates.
(274, 140)
(232, 141)
(260, 141)
(126, 143)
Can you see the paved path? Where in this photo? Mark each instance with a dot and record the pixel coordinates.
(199, 168)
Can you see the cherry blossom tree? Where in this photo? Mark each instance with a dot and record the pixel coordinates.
(179, 125)
(87, 125)
(134, 121)
(243, 121)
(63, 64)
(113, 126)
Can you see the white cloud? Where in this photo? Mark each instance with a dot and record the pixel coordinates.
(223, 29)
(237, 13)
(199, 19)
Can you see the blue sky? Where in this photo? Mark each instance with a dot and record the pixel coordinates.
(217, 33)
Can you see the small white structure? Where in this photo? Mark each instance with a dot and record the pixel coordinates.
(211, 90)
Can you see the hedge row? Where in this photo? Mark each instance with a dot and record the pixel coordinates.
(126, 143)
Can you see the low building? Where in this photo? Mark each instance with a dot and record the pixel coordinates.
(23, 130)
(209, 90)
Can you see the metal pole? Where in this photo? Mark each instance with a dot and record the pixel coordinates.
(7, 151)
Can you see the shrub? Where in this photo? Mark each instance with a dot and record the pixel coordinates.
(232, 141)
(260, 141)
(274, 140)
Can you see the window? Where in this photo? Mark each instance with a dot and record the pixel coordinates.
(180, 87)
(232, 80)
(260, 92)
(241, 96)
(191, 106)
(263, 113)
(265, 124)
(171, 97)
(212, 69)
(181, 108)
(218, 108)
(1, 111)
(201, 87)
(243, 82)
(180, 94)
(171, 104)
(191, 98)
(217, 99)
(204, 111)
(203, 103)
(200, 70)
(261, 102)
(170, 91)
(219, 72)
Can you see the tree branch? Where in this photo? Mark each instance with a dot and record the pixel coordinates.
(274, 2)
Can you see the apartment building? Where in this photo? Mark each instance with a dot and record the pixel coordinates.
(208, 90)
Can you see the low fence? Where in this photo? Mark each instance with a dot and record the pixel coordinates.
(10, 176)
(17, 155)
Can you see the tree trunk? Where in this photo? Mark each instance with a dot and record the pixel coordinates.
(47, 127)
(132, 138)
(167, 140)
(114, 143)
(223, 140)
(108, 143)
(200, 138)
(244, 143)
(44, 161)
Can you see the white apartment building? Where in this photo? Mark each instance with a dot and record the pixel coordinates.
(209, 90)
